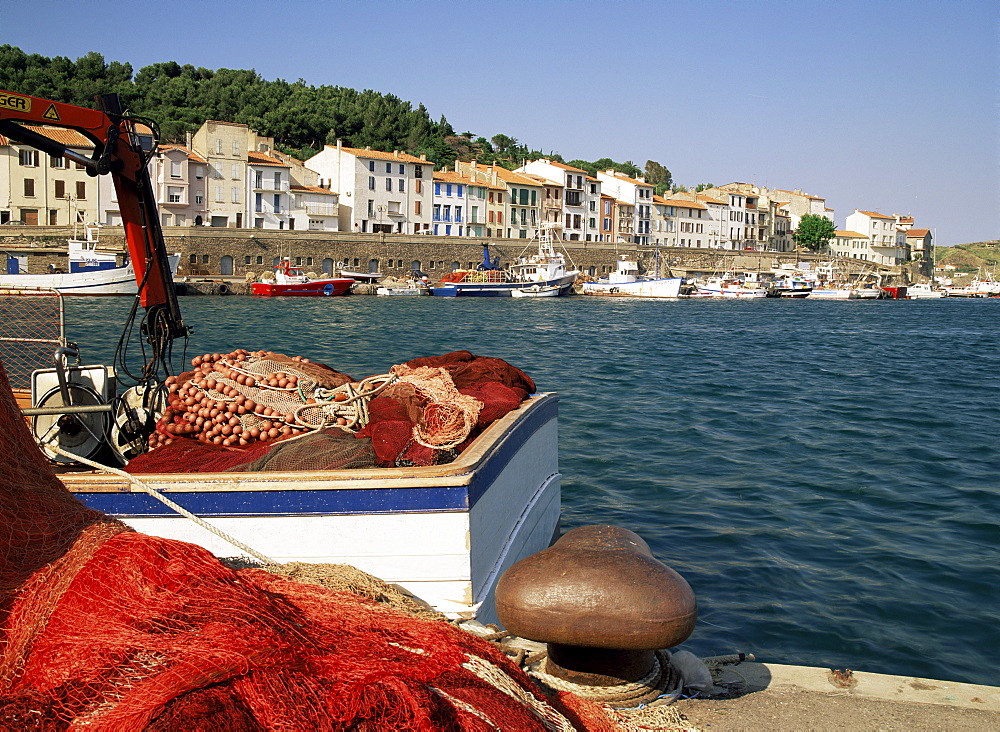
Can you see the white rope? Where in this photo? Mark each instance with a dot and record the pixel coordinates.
(162, 498)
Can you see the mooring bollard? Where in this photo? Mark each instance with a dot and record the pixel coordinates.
(601, 603)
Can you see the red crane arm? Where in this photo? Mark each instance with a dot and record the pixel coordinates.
(118, 153)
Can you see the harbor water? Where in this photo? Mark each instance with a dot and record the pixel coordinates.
(826, 475)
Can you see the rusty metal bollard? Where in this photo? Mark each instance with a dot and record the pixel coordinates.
(601, 602)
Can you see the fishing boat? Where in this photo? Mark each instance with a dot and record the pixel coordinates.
(402, 288)
(290, 281)
(92, 271)
(546, 268)
(536, 291)
(626, 281)
(726, 287)
(923, 291)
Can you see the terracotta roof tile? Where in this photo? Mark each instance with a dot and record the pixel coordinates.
(259, 158)
(849, 235)
(917, 233)
(876, 215)
(313, 189)
(450, 176)
(70, 138)
(191, 155)
(400, 157)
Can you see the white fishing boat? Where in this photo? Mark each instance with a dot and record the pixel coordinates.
(833, 293)
(626, 281)
(727, 287)
(923, 290)
(92, 271)
(402, 288)
(546, 268)
(536, 291)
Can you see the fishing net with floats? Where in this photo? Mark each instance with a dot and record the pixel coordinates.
(264, 411)
(105, 628)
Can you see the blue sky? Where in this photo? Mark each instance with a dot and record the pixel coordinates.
(880, 105)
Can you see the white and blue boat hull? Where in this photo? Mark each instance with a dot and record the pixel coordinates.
(444, 533)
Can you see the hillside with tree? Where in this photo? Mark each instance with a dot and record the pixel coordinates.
(969, 257)
(300, 117)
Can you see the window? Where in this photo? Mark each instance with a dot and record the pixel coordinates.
(29, 158)
(258, 179)
(81, 190)
(60, 189)
(217, 172)
(416, 208)
(218, 194)
(371, 183)
(193, 259)
(175, 169)
(204, 259)
(418, 187)
(236, 147)
(402, 185)
(371, 165)
(437, 189)
(388, 168)
(173, 194)
(277, 203)
(236, 195)
(199, 172)
(235, 171)
(277, 181)
(258, 202)
(57, 162)
(29, 187)
(371, 208)
(388, 184)
(218, 146)
(447, 188)
(418, 171)
(458, 214)
(199, 198)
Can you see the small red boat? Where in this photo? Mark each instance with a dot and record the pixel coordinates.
(292, 281)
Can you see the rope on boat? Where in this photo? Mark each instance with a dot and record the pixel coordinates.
(166, 501)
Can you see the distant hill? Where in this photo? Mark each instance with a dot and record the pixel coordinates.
(969, 257)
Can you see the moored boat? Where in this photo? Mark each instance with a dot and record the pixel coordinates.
(290, 281)
(924, 290)
(727, 287)
(626, 281)
(92, 271)
(536, 291)
(546, 268)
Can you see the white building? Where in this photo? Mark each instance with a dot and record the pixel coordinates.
(269, 192)
(886, 242)
(638, 193)
(573, 186)
(387, 192)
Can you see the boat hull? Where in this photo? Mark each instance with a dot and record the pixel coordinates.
(313, 288)
(97, 282)
(670, 287)
(499, 289)
(444, 533)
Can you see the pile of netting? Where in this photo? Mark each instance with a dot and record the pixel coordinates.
(265, 411)
(106, 628)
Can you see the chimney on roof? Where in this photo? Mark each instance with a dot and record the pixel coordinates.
(472, 163)
(368, 147)
(340, 144)
(188, 139)
(395, 154)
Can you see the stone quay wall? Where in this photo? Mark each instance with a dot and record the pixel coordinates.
(232, 254)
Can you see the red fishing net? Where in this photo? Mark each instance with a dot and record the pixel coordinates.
(244, 410)
(106, 628)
